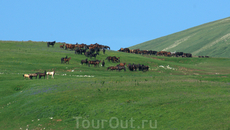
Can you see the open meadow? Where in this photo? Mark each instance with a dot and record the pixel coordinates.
(176, 93)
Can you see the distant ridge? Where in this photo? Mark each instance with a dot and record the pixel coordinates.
(212, 39)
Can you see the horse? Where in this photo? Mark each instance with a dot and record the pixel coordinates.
(67, 59)
(121, 64)
(51, 43)
(96, 62)
(42, 74)
(119, 68)
(33, 75)
(107, 47)
(62, 46)
(132, 67)
(112, 68)
(145, 68)
(26, 76)
(84, 61)
(50, 73)
(114, 58)
(93, 55)
(62, 59)
(103, 63)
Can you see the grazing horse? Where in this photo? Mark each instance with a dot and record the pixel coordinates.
(26, 76)
(132, 67)
(67, 59)
(93, 55)
(42, 74)
(62, 46)
(114, 58)
(121, 64)
(50, 73)
(51, 43)
(96, 62)
(112, 68)
(33, 75)
(119, 68)
(84, 61)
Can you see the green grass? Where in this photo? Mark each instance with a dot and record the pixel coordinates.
(192, 95)
(210, 39)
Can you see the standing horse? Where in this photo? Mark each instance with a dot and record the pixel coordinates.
(33, 75)
(42, 74)
(67, 59)
(26, 76)
(62, 59)
(50, 73)
(103, 63)
(51, 43)
(84, 61)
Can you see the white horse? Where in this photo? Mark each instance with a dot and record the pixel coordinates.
(50, 73)
(26, 76)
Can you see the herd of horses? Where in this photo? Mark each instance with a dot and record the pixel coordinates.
(160, 53)
(39, 74)
(93, 50)
(131, 67)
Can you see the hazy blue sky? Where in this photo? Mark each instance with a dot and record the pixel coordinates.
(116, 23)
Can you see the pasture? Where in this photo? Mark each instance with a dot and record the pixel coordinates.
(176, 93)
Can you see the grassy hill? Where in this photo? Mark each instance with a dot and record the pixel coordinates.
(176, 93)
(212, 39)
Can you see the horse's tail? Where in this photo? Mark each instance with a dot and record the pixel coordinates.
(23, 75)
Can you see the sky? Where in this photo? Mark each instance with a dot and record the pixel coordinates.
(116, 23)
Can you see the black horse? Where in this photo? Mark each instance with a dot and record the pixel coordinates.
(93, 55)
(51, 43)
(84, 61)
(103, 63)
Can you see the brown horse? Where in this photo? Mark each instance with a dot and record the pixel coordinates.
(112, 68)
(121, 64)
(62, 46)
(67, 59)
(94, 62)
(42, 75)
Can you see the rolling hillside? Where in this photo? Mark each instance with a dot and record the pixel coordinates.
(176, 92)
(212, 39)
